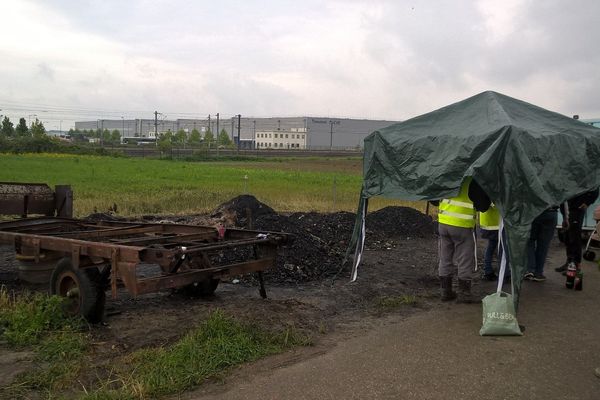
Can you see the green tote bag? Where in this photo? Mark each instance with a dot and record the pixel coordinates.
(499, 317)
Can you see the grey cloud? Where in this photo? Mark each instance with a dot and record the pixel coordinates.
(248, 96)
(45, 71)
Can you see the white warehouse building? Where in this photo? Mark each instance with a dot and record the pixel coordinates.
(292, 132)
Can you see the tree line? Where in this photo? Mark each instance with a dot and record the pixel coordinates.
(23, 138)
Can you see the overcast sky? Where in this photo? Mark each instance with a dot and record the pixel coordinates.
(82, 60)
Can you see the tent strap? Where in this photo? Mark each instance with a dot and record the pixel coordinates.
(357, 240)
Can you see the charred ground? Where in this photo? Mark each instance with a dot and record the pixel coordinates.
(309, 290)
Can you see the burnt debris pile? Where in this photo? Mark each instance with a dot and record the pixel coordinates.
(321, 240)
(238, 211)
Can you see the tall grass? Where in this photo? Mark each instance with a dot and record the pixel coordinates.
(37, 321)
(24, 320)
(144, 186)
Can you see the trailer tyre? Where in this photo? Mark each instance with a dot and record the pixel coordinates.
(81, 287)
(202, 289)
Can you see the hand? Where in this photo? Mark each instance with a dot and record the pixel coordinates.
(565, 224)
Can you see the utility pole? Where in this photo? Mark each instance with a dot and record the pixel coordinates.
(330, 135)
(239, 126)
(232, 123)
(254, 133)
(217, 136)
(156, 128)
(208, 130)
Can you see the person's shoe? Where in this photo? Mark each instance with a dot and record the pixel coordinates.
(538, 278)
(490, 277)
(446, 292)
(528, 276)
(464, 294)
(562, 268)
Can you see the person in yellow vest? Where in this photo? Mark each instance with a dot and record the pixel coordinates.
(456, 223)
(489, 223)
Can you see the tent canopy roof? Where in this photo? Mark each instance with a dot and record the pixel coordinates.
(526, 158)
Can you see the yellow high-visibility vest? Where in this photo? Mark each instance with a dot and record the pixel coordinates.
(490, 220)
(458, 211)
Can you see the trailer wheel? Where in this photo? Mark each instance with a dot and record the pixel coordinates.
(82, 289)
(589, 255)
(202, 289)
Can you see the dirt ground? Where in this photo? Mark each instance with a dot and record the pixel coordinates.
(307, 290)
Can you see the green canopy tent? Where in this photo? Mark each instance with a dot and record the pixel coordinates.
(524, 157)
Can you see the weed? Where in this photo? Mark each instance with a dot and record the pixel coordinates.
(23, 320)
(38, 321)
(393, 302)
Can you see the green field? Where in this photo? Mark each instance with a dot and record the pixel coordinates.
(150, 186)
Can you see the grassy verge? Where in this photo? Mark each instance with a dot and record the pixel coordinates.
(37, 322)
(63, 355)
(206, 352)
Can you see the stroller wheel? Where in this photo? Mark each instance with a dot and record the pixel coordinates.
(589, 255)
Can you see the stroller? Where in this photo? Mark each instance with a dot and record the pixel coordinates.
(594, 239)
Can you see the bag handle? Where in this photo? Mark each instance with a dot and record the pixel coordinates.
(502, 271)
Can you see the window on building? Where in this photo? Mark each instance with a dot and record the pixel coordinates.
(275, 136)
(286, 135)
(302, 136)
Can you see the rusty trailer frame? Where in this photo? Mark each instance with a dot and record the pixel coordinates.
(93, 256)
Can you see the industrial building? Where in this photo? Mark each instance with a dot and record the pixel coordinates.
(313, 133)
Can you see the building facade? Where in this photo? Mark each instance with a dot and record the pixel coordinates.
(302, 132)
(293, 139)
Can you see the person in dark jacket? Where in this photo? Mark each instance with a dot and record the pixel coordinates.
(573, 214)
(542, 231)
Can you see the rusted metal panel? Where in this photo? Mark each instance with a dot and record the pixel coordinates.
(180, 279)
(35, 198)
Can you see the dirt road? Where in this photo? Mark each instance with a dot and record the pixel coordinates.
(438, 354)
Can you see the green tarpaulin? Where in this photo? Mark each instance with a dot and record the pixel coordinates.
(524, 157)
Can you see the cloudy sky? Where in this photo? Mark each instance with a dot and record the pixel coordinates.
(82, 60)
